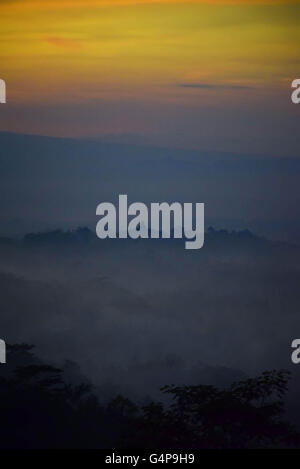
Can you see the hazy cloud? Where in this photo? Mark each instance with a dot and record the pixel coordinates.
(214, 86)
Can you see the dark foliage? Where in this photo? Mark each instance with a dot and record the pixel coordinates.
(39, 409)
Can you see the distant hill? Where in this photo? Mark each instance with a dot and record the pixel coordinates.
(47, 182)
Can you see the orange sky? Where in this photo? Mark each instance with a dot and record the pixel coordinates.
(179, 53)
(144, 45)
(73, 3)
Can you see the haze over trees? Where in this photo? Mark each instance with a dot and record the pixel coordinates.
(39, 408)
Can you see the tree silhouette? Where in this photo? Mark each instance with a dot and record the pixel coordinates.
(39, 409)
(247, 415)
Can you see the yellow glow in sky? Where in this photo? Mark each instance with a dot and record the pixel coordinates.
(51, 50)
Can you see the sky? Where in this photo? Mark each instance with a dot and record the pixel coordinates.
(213, 75)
